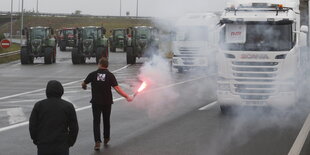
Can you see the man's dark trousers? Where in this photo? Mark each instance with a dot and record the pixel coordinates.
(105, 110)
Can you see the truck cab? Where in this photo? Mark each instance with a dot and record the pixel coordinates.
(194, 45)
(259, 58)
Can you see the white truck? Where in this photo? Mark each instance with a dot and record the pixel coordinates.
(259, 59)
(195, 41)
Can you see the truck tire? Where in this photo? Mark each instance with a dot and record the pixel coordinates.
(48, 55)
(24, 57)
(75, 56)
(99, 54)
(225, 109)
(180, 69)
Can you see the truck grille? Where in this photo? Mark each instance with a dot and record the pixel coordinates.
(254, 80)
(255, 63)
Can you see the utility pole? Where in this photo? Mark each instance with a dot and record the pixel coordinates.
(137, 9)
(11, 21)
(120, 7)
(308, 15)
(37, 7)
(22, 24)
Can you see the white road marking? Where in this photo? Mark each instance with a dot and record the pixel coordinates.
(301, 138)
(27, 122)
(208, 106)
(174, 84)
(20, 101)
(14, 126)
(38, 90)
(66, 84)
(87, 107)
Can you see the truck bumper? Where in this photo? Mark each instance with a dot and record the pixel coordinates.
(281, 99)
(189, 62)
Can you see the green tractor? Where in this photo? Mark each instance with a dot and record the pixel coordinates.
(117, 39)
(91, 43)
(67, 38)
(142, 41)
(39, 43)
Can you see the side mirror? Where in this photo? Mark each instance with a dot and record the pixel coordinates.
(304, 29)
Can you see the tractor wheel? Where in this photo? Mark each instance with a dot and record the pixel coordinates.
(48, 55)
(75, 56)
(131, 58)
(100, 52)
(24, 57)
(54, 55)
(62, 46)
(82, 60)
(112, 49)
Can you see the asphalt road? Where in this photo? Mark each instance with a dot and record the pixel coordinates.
(165, 119)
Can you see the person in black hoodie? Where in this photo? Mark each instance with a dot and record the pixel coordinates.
(53, 123)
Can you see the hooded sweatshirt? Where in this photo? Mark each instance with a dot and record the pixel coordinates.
(53, 122)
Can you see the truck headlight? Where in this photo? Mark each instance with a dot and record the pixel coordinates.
(223, 87)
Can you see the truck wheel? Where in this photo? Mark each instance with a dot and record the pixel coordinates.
(100, 52)
(75, 56)
(180, 69)
(24, 57)
(48, 55)
(225, 109)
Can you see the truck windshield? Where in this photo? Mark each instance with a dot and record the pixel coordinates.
(192, 33)
(90, 33)
(37, 33)
(258, 37)
(119, 33)
(143, 33)
(67, 32)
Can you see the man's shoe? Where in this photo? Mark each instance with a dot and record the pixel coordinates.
(97, 146)
(106, 141)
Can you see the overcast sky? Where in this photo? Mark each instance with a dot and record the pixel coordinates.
(158, 8)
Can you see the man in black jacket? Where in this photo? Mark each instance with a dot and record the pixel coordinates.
(102, 80)
(53, 123)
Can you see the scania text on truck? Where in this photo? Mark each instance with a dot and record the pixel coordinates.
(259, 59)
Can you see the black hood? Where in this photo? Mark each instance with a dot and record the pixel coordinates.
(54, 89)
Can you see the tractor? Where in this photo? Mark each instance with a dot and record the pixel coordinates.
(67, 37)
(39, 43)
(141, 41)
(91, 43)
(117, 39)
